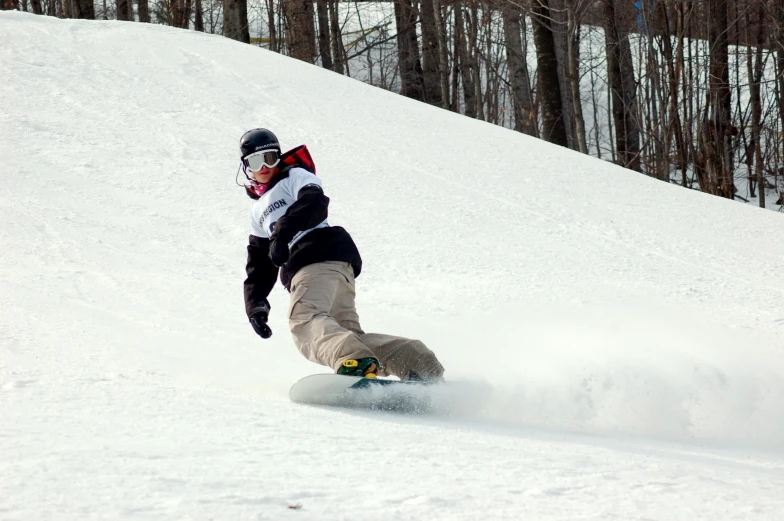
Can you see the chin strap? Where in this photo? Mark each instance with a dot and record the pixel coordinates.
(244, 172)
(252, 187)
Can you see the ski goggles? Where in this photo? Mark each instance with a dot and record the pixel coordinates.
(262, 158)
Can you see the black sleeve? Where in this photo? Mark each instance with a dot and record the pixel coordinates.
(262, 274)
(308, 210)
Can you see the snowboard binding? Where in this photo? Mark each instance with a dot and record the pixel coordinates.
(365, 367)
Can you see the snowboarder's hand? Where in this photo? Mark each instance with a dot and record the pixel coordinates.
(260, 326)
(258, 319)
(279, 252)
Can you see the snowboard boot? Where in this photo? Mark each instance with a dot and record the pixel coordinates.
(367, 367)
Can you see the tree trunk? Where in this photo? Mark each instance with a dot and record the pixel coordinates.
(430, 52)
(558, 26)
(689, 99)
(175, 11)
(594, 102)
(443, 55)
(144, 11)
(620, 73)
(573, 54)
(411, 74)
(36, 5)
(122, 9)
(338, 52)
(273, 35)
(464, 62)
(553, 125)
(755, 76)
(716, 169)
(674, 72)
(657, 130)
(779, 45)
(524, 111)
(235, 20)
(198, 21)
(455, 72)
(473, 53)
(10, 5)
(323, 34)
(185, 18)
(83, 9)
(491, 73)
(181, 11)
(300, 29)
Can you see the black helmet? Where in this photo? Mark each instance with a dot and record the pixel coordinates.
(258, 139)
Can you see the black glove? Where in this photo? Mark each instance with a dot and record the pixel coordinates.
(278, 252)
(258, 319)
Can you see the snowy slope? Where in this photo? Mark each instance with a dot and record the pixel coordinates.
(617, 344)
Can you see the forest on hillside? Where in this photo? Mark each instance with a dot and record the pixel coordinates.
(688, 92)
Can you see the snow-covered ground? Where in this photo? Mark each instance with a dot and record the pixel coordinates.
(616, 345)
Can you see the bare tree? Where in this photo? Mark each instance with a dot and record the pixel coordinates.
(185, 16)
(432, 80)
(144, 11)
(84, 9)
(553, 125)
(573, 13)
(273, 34)
(675, 65)
(235, 20)
(524, 110)
(464, 62)
(300, 29)
(443, 54)
(620, 73)
(594, 99)
(714, 168)
(198, 20)
(779, 46)
(124, 9)
(495, 65)
(411, 73)
(180, 13)
(754, 70)
(323, 34)
(473, 53)
(338, 51)
(558, 25)
(652, 89)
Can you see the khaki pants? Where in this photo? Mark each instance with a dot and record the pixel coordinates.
(325, 326)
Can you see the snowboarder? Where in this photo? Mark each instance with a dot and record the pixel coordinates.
(317, 264)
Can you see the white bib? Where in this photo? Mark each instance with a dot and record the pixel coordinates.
(270, 207)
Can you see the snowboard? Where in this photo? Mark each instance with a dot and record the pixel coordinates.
(357, 392)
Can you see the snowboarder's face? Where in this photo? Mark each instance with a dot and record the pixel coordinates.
(264, 175)
(263, 164)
